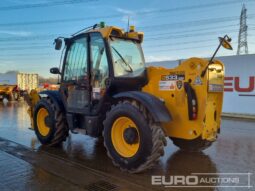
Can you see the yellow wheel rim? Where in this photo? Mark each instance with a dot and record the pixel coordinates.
(117, 134)
(42, 127)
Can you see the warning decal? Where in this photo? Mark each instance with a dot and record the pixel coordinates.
(167, 85)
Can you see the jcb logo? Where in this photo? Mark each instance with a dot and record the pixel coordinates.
(233, 84)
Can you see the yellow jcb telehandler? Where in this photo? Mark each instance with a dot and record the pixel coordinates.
(106, 90)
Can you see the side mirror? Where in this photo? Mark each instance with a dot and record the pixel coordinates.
(225, 42)
(58, 43)
(55, 70)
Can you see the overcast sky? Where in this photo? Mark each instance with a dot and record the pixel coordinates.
(174, 29)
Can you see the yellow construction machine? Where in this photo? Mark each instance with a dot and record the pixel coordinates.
(10, 92)
(106, 90)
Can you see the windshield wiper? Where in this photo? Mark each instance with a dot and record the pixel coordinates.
(124, 61)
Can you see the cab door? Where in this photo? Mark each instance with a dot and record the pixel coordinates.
(75, 80)
(99, 68)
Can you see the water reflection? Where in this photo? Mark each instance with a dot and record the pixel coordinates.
(14, 114)
(229, 155)
(188, 163)
(91, 152)
(82, 149)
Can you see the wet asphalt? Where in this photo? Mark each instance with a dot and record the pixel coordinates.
(81, 163)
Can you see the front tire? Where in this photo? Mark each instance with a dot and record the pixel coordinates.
(133, 140)
(50, 124)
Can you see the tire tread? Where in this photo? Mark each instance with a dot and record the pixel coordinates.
(158, 139)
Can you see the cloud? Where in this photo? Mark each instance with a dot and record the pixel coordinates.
(134, 15)
(128, 14)
(29, 1)
(125, 11)
(16, 33)
(157, 58)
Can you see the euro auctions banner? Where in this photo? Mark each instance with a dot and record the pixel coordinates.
(239, 86)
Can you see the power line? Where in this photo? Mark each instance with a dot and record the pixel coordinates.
(40, 5)
(185, 35)
(185, 43)
(45, 37)
(180, 43)
(145, 47)
(183, 8)
(38, 37)
(16, 41)
(196, 22)
(48, 36)
(15, 56)
(209, 5)
(24, 48)
(22, 43)
(195, 30)
(49, 45)
(32, 38)
(57, 21)
(49, 54)
(15, 48)
(44, 46)
(157, 50)
(180, 35)
(151, 27)
(190, 23)
(180, 49)
(156, 46)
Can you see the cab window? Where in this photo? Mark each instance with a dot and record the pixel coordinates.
(76, 61)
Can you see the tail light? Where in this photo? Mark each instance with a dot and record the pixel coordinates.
(192, 101)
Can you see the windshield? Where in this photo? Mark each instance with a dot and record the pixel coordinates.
(127, 56)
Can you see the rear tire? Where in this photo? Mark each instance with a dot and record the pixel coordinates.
(54, 120)
(151, 138)
(196, 145)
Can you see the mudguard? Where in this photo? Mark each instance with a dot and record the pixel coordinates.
(156, 107)
(55, 96)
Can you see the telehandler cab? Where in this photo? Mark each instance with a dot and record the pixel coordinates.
(106, 90)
